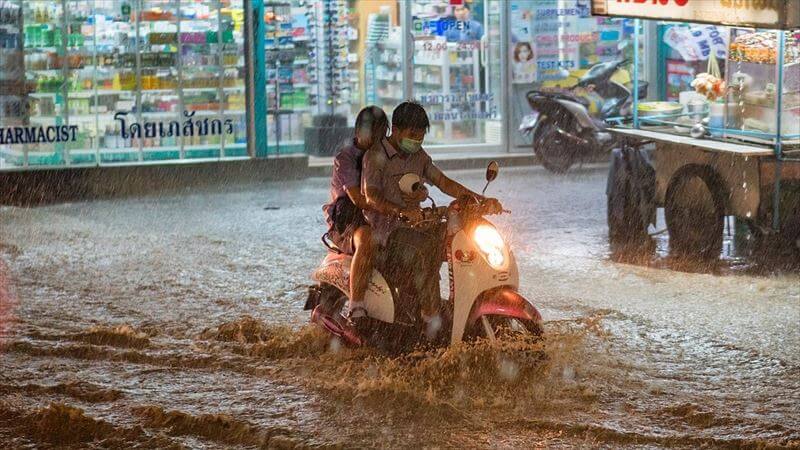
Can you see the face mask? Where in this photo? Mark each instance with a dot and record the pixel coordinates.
(410, 145)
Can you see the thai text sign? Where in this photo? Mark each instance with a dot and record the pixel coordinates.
(174, 128)
(760, 13)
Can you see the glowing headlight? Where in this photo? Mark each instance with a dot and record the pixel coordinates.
(491, 245)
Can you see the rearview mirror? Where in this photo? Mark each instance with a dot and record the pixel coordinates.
(491, 171)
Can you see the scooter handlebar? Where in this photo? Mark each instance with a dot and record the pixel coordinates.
(435, 215)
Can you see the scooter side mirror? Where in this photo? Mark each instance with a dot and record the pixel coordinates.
(491, 174)
(491, 171)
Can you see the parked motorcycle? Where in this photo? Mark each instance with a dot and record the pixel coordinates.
(484, 282)
(563, 129)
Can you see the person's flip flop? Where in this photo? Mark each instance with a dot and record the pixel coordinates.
(357, 312)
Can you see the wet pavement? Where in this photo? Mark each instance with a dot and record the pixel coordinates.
(176, 320)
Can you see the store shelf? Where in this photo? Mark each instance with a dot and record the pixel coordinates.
(440, 64)
(63, 118)
(166, 58)
(290, 40)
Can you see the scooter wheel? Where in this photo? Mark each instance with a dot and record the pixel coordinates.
(555, 153)
(508, 328)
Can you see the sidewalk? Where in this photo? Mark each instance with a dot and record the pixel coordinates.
(43, 186)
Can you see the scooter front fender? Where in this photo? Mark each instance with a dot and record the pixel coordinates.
(503, 301)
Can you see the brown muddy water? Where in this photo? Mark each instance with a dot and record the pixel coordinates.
(176, 322)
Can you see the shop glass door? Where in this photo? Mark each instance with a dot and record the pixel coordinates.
(121, 81)
(189, 74)
(555, 42)
(456, 72)
(291, 42)
(37, 76)
(381, 44)
(324, 61)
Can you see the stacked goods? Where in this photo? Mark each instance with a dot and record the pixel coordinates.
(762, 48)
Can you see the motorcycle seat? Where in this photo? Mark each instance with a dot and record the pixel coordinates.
(558, 95)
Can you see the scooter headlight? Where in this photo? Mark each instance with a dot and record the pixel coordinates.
(491, 245)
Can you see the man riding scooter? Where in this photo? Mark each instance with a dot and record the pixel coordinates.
(413, 252)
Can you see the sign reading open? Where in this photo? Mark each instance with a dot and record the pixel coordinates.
(784, 14)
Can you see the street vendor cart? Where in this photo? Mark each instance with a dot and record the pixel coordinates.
(726, 142)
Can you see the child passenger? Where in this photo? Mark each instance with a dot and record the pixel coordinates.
(348, 229)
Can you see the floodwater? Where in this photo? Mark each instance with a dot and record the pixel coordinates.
(177, 321)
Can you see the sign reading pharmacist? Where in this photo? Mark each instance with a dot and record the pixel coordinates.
(757, 13)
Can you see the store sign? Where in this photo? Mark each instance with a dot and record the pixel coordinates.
(697, 43)
(439, 26)
(174, 128)
(762, 13)
(458, 107)
(38, 135)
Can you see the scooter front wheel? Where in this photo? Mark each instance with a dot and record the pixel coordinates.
(502, 327)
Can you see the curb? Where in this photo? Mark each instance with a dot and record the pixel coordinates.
(41, 186)
(44, 186)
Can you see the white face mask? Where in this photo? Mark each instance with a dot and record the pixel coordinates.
(409, 145)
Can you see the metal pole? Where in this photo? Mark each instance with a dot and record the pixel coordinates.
(95, 141)
(65, 74)
(181, 103)
(776, 201)
(636, 31)
(505, 84)
(221, 84)
(138, 57)
(256, 84)
(406, 25)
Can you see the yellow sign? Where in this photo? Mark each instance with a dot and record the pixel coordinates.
(783, 14)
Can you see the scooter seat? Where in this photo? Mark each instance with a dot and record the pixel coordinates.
(332, 257)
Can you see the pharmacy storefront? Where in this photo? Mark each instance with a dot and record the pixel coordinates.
(116, 82)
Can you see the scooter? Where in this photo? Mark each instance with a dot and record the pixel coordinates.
(483, 301)
(563, 129)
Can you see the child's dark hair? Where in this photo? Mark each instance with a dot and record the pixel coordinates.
(372, 117)
(410, 114)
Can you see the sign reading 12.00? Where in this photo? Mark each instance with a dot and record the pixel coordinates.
(764, 13)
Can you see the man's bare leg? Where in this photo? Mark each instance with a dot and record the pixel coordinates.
(361, 266)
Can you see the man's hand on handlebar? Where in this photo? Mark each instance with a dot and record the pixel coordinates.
(492, 205)
(484, 205)
(419, 196)
(412, 215)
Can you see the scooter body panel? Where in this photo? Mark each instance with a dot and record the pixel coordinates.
(580, 113)
(335, 271)
(472, 275)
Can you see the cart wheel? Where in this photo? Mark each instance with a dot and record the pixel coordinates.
(695, 212)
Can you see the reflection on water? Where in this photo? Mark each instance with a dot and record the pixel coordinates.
(740, 253)
(178, 322)
(573, 382)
